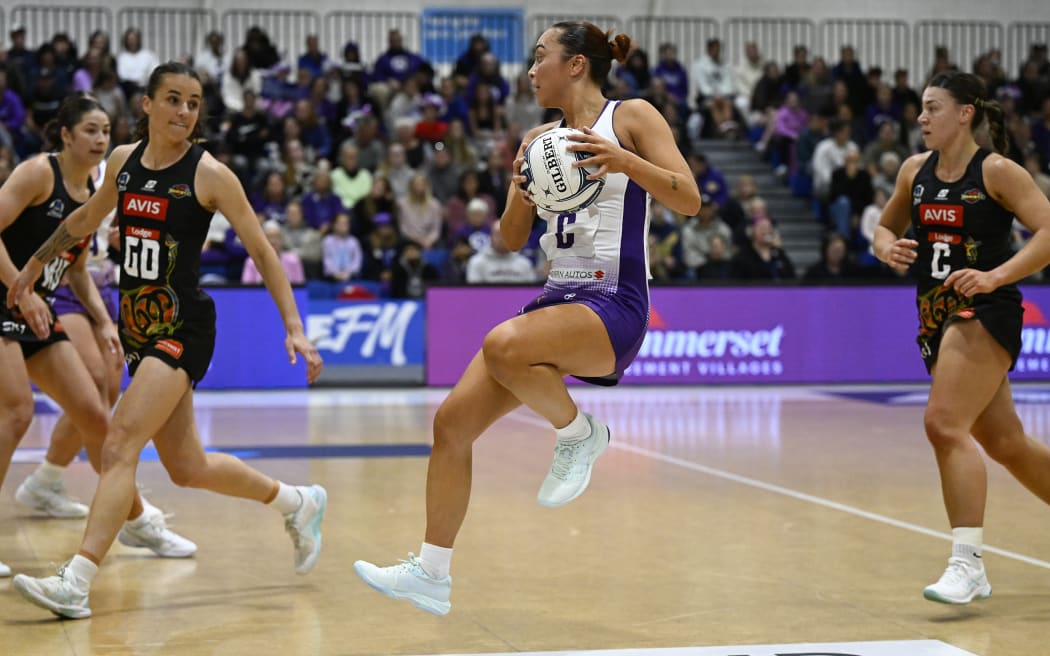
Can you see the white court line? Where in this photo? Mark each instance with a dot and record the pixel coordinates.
(788, 492)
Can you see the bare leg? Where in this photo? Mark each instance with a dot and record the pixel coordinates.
(971, 367)
(1000, 432)
(16, 411)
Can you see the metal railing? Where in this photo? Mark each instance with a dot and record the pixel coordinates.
(537, 23)
(1019, 38)
(965, 40)
(369, 30)
(174, 34)
(886, 44)
(689, 35)
(776, 38)
(287, 29)
(43, 22)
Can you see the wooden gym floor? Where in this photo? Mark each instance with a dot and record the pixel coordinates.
(720, 516)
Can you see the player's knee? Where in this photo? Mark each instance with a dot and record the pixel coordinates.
(15, 418)
(183, 476)
(502, 351)
(940, 429)
(448, 432)
(118, 449)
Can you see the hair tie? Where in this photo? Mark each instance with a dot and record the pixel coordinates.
(978, 103)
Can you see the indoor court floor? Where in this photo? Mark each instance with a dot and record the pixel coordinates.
(723, 521)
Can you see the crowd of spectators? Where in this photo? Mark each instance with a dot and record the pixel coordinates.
(386, 172)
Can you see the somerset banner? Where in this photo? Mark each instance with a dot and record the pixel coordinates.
(741, 335)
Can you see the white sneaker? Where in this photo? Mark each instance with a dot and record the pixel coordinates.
(156, 536)
(62, 594)
(571, 471)
(5, 571)
(408, 581)
(961, 583)
(50, 499)
(304, 526)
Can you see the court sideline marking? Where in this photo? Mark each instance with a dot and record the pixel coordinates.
(787, 492)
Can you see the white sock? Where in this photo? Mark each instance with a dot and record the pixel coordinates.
(47, 473)
(287, 500)
(138, 522)
(577, 429)
(967, 543)
(436, 561)
(83, 570)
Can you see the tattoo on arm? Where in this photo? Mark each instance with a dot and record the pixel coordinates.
(674, 182)
(59, 242)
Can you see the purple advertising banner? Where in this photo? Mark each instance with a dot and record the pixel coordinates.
(741, 335)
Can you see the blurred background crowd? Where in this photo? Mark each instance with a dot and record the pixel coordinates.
(385, 176)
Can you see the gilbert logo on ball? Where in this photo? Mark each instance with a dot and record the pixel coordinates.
(550, 177)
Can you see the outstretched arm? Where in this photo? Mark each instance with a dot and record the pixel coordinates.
(218, 188)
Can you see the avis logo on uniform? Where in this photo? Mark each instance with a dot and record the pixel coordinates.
(932, 214)
(147, 207)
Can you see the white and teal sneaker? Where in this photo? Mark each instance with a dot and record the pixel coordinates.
(154, 534)
(962, 582)
(50, 499)
(304, 526)
(408, 581)
(61, 594)
(573, 461)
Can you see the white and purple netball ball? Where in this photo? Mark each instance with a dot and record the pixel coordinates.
(554, 183)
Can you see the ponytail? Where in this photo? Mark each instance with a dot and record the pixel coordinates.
(600, 49)
(993, 118)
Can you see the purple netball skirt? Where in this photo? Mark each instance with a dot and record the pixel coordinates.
(66, 302)
(625, 322)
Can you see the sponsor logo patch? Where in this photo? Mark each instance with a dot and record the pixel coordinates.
(171, 347)
(56, 209)
(179, 191)
(142, 233)
(934, 214)
(944, 237)
(972, 196)
(147, 207)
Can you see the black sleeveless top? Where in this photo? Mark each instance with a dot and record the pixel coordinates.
(34, 226)
(162, 232)
(958, 226)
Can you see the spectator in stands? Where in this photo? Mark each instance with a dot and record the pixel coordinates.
(636, 71)
(382, 249)
(885, 175)
(697, 233)
(313, 132)
(495, 264)
(521, 108)
(120, 131)
(410, 273)
(799, 67)
(1034, 88)
(788, 123)
(313, 60)
(442, 174)
(762, 257)
(303, 240)
(712, 82)
(260, 50)
(835, 264)
(239, 78)
(65, 59)
(86, 76)
(110, 95)
(767, 94)
(343, 258)
(942, 62)
(485, 114)
(12, 114)
(272, 201)
(135, 63)
(746, 75)
(396, 65)
(290, 262)
(988, 67)
(380, 200)
(879, 112)
(456, 210)
(709, 180)
(246, 137)
(887, 141)
(431, 128)
(212, 60)
(1035, 164)
(1041, 130)
(851, 191)
(350, 181)
(849, 71)
(370, 149)
(734, 212)
(419, 213)
(396, 169)
(869, 220)
(320, 205)
(829, 155)
(299, 169)
(665, 242)
(19, 56)
(455, 101)
(352, 68)
(464, 154)
(467, 63)
(719, 263)
(902, 91)
(671, 71)
(488, 73)
(478, 226)
(494, 176)
(405, 103)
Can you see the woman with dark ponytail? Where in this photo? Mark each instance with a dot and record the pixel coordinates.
(590, 319)
(960, 200)
(165, 189)
(77, 361)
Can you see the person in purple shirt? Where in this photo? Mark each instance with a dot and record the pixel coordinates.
(320, 205)
(12, 111)
(671, 71)
(396, 64)
(313, 59)
(709, 179)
